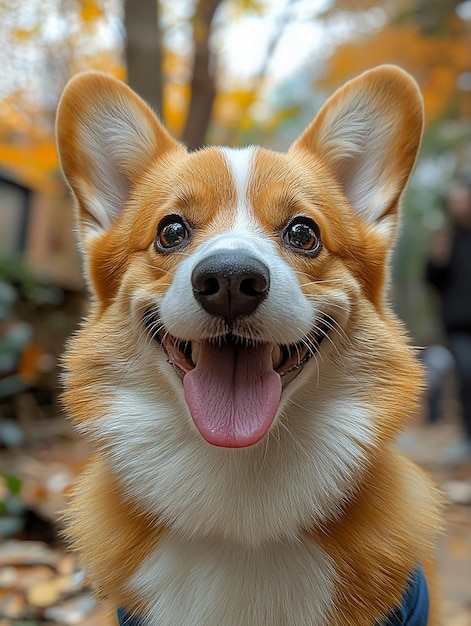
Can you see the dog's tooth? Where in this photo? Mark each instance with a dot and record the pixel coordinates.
(276, 356)
(195, 351)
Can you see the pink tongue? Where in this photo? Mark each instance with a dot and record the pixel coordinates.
(233, 394)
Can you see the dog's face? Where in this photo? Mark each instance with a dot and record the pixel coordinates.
(239, 333)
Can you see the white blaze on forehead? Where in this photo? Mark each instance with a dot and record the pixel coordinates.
(240, 163)
(273, 322)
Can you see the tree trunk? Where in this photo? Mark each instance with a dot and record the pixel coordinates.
(144, 51)
(203, 85)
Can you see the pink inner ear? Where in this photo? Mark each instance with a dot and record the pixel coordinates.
(368, 134)
(107, 137)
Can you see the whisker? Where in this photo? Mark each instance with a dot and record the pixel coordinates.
(264, 456)
(148, 332)
(330, 281)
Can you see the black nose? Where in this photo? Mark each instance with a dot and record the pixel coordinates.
(230, 284)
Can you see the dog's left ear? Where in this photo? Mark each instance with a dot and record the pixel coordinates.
(368, 134)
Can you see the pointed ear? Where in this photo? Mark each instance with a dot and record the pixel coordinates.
(368, 134)
(106, 137)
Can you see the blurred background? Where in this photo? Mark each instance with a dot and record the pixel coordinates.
(231, 72)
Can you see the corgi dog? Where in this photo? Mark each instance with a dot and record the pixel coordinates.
(241, 375)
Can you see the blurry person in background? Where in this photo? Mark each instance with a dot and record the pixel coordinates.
(448, 269)
(438, 363)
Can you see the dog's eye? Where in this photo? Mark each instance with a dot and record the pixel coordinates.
(172, 232)
(303, 235)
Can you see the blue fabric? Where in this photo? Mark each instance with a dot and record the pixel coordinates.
(412, 612)
(415, 604)
(127, 620)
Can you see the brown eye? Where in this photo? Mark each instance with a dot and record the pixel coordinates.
(302, 234)
(172, 232)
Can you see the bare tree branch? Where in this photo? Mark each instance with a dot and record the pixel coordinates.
(203, 87)
(144, 50)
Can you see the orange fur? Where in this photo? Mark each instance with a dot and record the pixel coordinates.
(387, 518)
(374, 552)
(125, 531)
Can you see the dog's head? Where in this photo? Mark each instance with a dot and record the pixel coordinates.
(242, 291)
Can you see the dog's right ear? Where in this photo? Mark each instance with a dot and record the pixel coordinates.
(106, 137)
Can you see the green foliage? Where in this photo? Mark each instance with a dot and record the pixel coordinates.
(15, 272)
(20, 293)
(11, 506)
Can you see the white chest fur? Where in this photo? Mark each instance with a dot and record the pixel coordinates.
(218, 583)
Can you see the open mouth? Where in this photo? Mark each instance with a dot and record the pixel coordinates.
(286, 359)
(233, 386)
